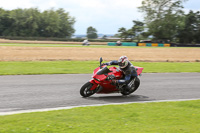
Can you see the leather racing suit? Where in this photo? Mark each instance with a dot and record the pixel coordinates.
(129, 72)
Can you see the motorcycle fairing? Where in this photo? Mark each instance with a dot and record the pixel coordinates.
(139, 69)
(101, 75)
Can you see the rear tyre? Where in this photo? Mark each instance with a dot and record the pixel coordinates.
(133, 88)
(85, 90)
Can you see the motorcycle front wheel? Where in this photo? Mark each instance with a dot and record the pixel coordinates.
(85, 90)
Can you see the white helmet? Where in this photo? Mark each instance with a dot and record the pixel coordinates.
(123, 61)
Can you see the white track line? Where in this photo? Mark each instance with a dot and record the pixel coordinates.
(70, 107)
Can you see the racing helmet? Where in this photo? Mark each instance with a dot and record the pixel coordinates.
(123, 61)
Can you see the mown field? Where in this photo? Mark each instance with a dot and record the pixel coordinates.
(45, 52)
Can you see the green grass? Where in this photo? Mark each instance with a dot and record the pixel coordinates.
(167, 117)
(46, 67)
(77, 67)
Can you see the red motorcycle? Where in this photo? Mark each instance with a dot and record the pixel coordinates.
(101, 81)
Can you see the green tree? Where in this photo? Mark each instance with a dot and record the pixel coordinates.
(56, 23)
(197, 28)
(5, 21)
(123, 33)
(134, 33)
(17, 26)
(190, 32)
(50, 23)
(137, 29)
(66, 23)
(33, 23)
(23, 22)
(162, 17)
(91, 33)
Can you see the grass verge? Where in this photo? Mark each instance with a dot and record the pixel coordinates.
(76, 67)
(166, 117)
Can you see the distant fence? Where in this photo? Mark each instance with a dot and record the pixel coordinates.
(122, 44)
(184, 45)
(140, 44)
(154, 44)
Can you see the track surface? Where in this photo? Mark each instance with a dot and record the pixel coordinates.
(25, 92)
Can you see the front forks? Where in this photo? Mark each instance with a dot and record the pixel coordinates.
(94, 85)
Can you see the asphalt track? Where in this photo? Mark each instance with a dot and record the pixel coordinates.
(32, 92)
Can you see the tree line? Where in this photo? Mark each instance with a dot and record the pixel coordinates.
(165, 20)
(34, 23)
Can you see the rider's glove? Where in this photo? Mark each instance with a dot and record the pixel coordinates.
(106, 64)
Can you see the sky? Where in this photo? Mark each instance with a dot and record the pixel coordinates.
(106, 16)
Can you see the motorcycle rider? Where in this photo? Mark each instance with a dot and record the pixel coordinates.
(128, 70)
(86, 42)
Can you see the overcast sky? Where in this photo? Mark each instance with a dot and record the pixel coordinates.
(107, 16)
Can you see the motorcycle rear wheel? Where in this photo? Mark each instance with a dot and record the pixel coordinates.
(133, 88)
(85, 90)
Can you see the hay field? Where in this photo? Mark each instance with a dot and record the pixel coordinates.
(46, 42)
(16, 53)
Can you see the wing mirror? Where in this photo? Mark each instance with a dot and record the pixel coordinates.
(100, 60)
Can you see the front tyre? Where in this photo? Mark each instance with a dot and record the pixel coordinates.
(85, 90)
